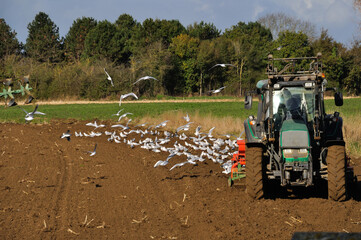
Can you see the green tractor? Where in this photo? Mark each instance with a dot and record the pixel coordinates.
(292, 141)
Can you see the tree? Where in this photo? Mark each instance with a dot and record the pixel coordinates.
(105, 41)
(8, 41)
(163, 30)
(203, 31)
(251, 42)
(280, 22)
(75, 39)
(43, 42)
(127, 27)
(336, 64)
(185, 48)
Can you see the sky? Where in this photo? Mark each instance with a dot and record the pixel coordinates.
(339, 17)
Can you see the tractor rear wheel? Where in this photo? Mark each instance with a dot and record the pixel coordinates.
(336, 167)
(254, 172)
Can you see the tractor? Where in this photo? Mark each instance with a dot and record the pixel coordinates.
(292, 141)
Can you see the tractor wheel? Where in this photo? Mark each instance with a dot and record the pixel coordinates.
(254, 172)
(336, 167)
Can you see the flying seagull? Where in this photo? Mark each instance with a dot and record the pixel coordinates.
(222, 65)
(187, 118)
(217, 90)
(30, 115)
(145, 78)
(109, 78)
(118, 113)
(66, 135)
(125, 96)
(92, 153)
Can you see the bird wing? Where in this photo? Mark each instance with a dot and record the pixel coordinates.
(40, 113)
(107, 74)
(23, 109)
(95, 147)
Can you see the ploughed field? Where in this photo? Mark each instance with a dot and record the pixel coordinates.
(51, 188)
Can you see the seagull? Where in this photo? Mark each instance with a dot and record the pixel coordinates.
(145, 78)
(181, 164)
(124, 115)
(162, 124)
(30, 115)
(217, 90)
(187, 118)
(95, 125)
(118, 113)
(109, 78)
(222, 65)
(125, 96)
(184, 127)
(66, 135)
(165, 162)
(92, 153)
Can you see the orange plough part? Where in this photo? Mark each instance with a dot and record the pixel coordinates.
(239, 163)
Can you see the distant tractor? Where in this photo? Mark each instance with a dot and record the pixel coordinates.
(292, 141)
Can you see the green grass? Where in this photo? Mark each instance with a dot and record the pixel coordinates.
(351, 108)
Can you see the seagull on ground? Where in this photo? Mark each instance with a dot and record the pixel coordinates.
(109, 78)
(66, 135)
(30, 115)
(222, 65)
(92, 153)
(217, 90)
(162, 124)
(95, 125)
(145, 78)
(125, 96)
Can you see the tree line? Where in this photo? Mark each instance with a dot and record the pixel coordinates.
(180, 57)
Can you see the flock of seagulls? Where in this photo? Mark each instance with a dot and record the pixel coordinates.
(195, 147)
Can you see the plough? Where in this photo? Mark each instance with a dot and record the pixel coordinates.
(239, 163)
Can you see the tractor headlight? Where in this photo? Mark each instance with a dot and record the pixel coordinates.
(295, 153)
(288, 153)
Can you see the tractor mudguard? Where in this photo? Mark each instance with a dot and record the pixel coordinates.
(250, 131)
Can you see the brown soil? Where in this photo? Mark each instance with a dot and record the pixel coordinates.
(51, 188)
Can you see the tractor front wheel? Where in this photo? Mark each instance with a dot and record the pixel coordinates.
(254, 172)
(336, 167)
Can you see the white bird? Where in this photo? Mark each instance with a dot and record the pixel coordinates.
(118, 113)
(30, 115)
(109, 78)
(66, 135)
(210, 132)
(165, 162)
(217, 90)
(124, 115)
(95, 125)
(184, 127)
(162, 124)
(187, 118)
(222, 65)
(92, 153)
(145, 78)
(181, 164)
(125, 96)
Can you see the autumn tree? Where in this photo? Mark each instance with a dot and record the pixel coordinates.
(43, 43)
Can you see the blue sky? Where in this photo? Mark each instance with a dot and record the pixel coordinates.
(338, 16)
